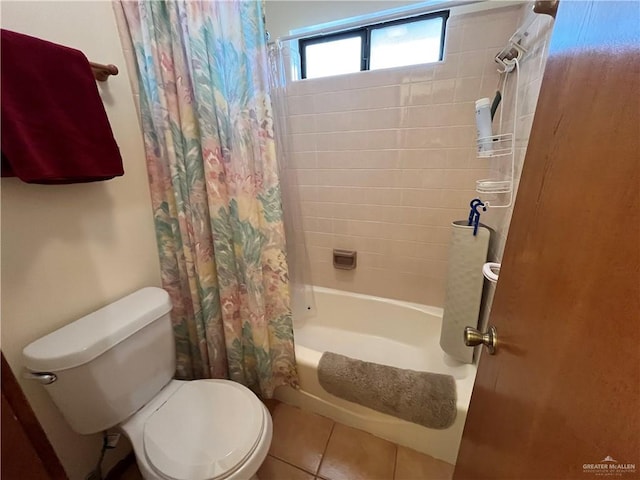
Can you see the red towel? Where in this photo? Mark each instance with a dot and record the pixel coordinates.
(54, 126)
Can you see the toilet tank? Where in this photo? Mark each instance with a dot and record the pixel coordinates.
(109, 363)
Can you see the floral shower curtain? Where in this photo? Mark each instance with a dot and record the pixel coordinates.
(208, 134)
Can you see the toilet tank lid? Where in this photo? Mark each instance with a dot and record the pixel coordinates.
(88, 337)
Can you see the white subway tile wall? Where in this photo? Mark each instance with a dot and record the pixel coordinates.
(531, 73)
(385, 160)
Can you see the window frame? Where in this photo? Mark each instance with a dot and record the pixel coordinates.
(364, 33)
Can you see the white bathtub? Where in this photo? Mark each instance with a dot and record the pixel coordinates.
(380, 330)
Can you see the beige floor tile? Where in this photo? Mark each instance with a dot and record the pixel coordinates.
(299, 437)
(356, 455)
(274, 469)
(412, 465)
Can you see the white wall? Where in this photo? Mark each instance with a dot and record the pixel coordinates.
(70, 249)
(531, 73)
(283, 16)
(386, 160)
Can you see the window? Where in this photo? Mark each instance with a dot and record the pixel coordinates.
(390, 44)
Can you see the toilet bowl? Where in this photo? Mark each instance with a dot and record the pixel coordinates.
(113, 369)
(203, 429)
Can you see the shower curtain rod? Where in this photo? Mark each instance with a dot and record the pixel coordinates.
(395, 14)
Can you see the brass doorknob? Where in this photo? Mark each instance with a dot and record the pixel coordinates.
(473, 337)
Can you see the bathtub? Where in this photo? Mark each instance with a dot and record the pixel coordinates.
(380, 330)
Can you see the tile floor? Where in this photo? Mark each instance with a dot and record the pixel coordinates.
(307, 446)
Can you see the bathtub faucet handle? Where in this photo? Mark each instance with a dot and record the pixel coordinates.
(473, 337)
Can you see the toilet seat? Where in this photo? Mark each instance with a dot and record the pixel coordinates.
(205, 430)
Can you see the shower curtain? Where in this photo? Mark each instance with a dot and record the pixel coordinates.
(302, 298)
(206, 115)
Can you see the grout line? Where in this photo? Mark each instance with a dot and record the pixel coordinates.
(324, 452)
(290, 464)
(395, 462)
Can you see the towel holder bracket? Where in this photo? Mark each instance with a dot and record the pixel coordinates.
(102, 72)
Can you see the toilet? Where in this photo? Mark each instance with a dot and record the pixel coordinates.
(114, 369)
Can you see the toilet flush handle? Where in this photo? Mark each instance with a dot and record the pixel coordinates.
(43, 378)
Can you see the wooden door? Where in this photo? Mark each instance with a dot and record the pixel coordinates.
(561, 394)
(26, 452)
